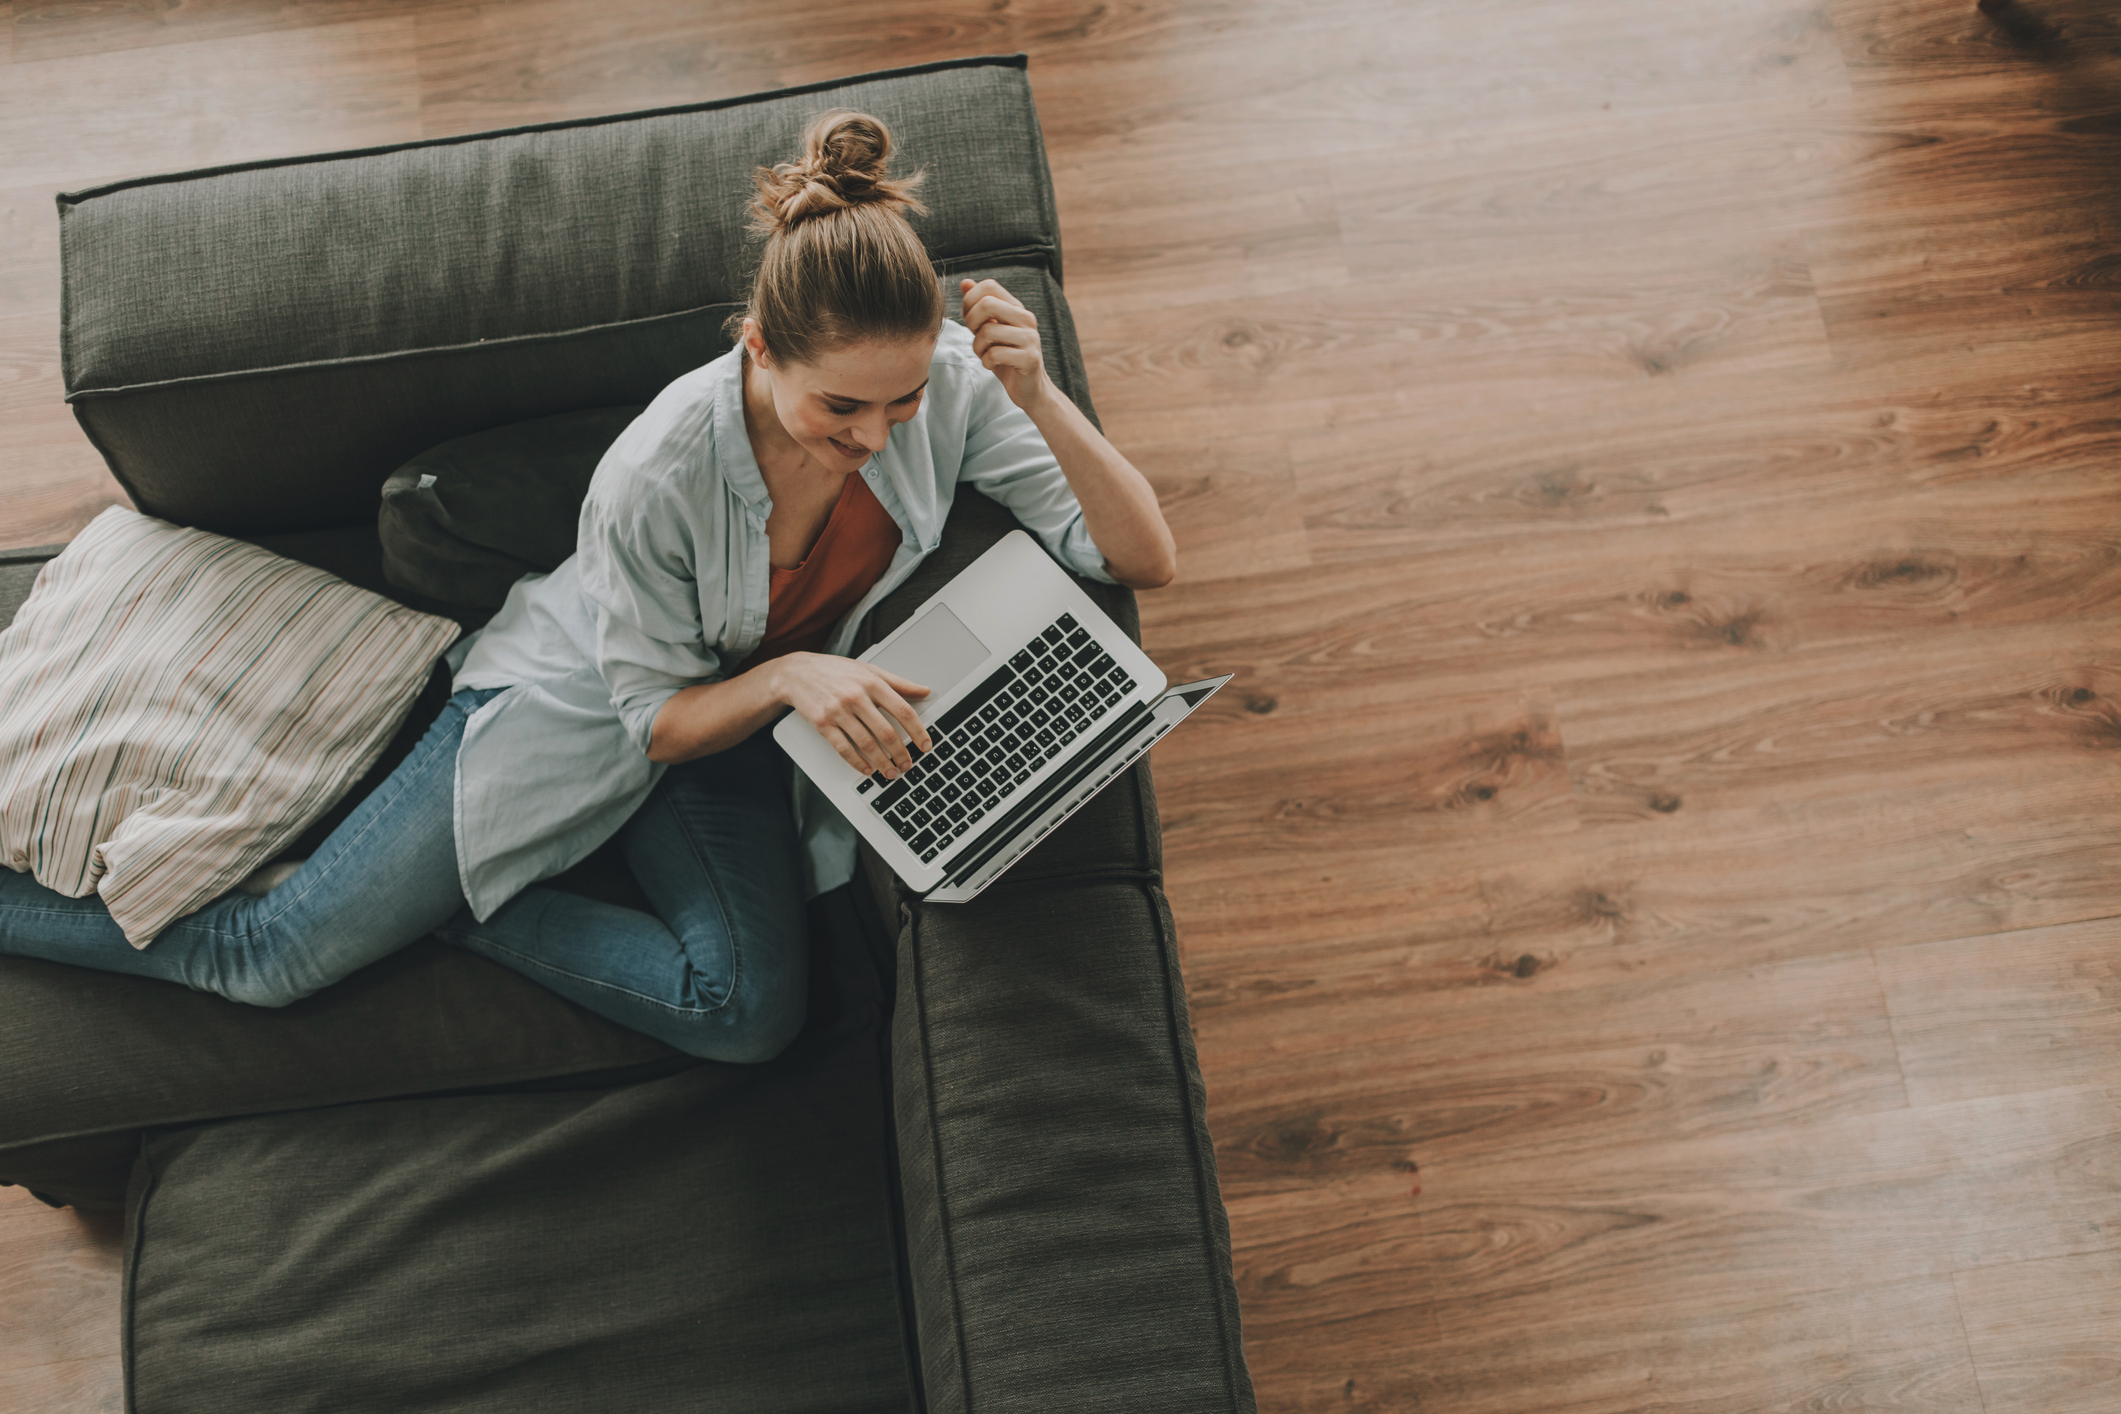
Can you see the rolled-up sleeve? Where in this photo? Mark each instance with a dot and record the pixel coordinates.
(636, 566)
(1007, 459)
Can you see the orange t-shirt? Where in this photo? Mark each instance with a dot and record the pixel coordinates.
(852, 552)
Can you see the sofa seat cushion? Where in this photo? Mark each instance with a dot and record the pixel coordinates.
(176, 706)
(719, 1238)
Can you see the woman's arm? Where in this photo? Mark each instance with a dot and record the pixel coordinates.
(714, 716)
(851, 703)
(1119, 507)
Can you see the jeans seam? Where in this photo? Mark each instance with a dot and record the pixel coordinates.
(721, 903)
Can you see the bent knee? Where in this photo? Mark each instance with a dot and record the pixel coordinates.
(269, 987)
(750, 1030)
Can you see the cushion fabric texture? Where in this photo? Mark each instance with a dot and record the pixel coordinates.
(176, 706)
(1067, 1242)
(85, 1052)
(296, 325)
(90, 1055)
(463, 521)
(717, 1238)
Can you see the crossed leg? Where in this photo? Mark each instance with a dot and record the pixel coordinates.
(720, 969)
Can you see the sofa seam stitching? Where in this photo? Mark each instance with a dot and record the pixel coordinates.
(1029, 254)
(904, 1279)
(935, 1144)
(137, 1220)
(503, 1076)
(543, 336)
(1196, 1126)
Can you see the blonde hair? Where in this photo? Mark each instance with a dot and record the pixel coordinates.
(841, 265)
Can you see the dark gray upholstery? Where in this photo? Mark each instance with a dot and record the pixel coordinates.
(18, 575)
(295, 325)
(981, 1178)
(506, 500)
(718, 1238)
(87, 1054)
(1055, 1156)
(463, 521)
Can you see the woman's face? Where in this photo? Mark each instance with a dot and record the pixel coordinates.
(842, 407)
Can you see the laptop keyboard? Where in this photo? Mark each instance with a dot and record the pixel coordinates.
(989, 742)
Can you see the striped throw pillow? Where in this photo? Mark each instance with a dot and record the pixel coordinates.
(175, 707)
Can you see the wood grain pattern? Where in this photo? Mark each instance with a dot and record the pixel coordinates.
(1647, 896)
(1889, 1347)
(29, 252)
(59, 29)
(59, 1324)
(2042, 1333)
(2006, 1013)
(97, 117)
(1832, 1206)
(1612, 1053)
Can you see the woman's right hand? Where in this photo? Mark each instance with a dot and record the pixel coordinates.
(853, 706)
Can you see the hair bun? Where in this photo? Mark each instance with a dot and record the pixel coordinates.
(844, 159)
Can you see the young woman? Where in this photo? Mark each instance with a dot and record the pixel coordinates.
(731, 540)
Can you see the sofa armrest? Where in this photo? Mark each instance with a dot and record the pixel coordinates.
(1066, 1243)
(1066, 1240)
(18, 575)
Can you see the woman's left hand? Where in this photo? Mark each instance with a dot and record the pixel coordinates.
(1005, 336)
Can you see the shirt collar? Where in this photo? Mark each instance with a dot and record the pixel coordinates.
(732, 444)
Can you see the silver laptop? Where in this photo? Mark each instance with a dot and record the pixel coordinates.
(1036, 702)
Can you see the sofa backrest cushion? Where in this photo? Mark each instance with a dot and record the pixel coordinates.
(255, 347)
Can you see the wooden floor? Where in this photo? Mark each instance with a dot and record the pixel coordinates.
(1651, 898)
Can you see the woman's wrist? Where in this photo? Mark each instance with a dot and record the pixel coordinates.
(774, 679)
(778, 684)
(1045, 403)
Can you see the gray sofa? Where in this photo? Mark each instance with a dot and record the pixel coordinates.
(980, 1180)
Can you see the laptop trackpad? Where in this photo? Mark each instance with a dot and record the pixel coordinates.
(936, 652)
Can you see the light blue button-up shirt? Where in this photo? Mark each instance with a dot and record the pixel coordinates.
(668, 587)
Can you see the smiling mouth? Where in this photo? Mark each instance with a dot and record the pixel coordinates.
(846, 450)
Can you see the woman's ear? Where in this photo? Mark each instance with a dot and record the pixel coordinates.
(755, 343)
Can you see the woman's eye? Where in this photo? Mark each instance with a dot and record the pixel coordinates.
(839, 412)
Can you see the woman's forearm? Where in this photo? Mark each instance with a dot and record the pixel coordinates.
(1120, 509)
(714, 716)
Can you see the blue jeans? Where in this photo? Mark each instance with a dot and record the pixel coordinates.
(720, 973)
